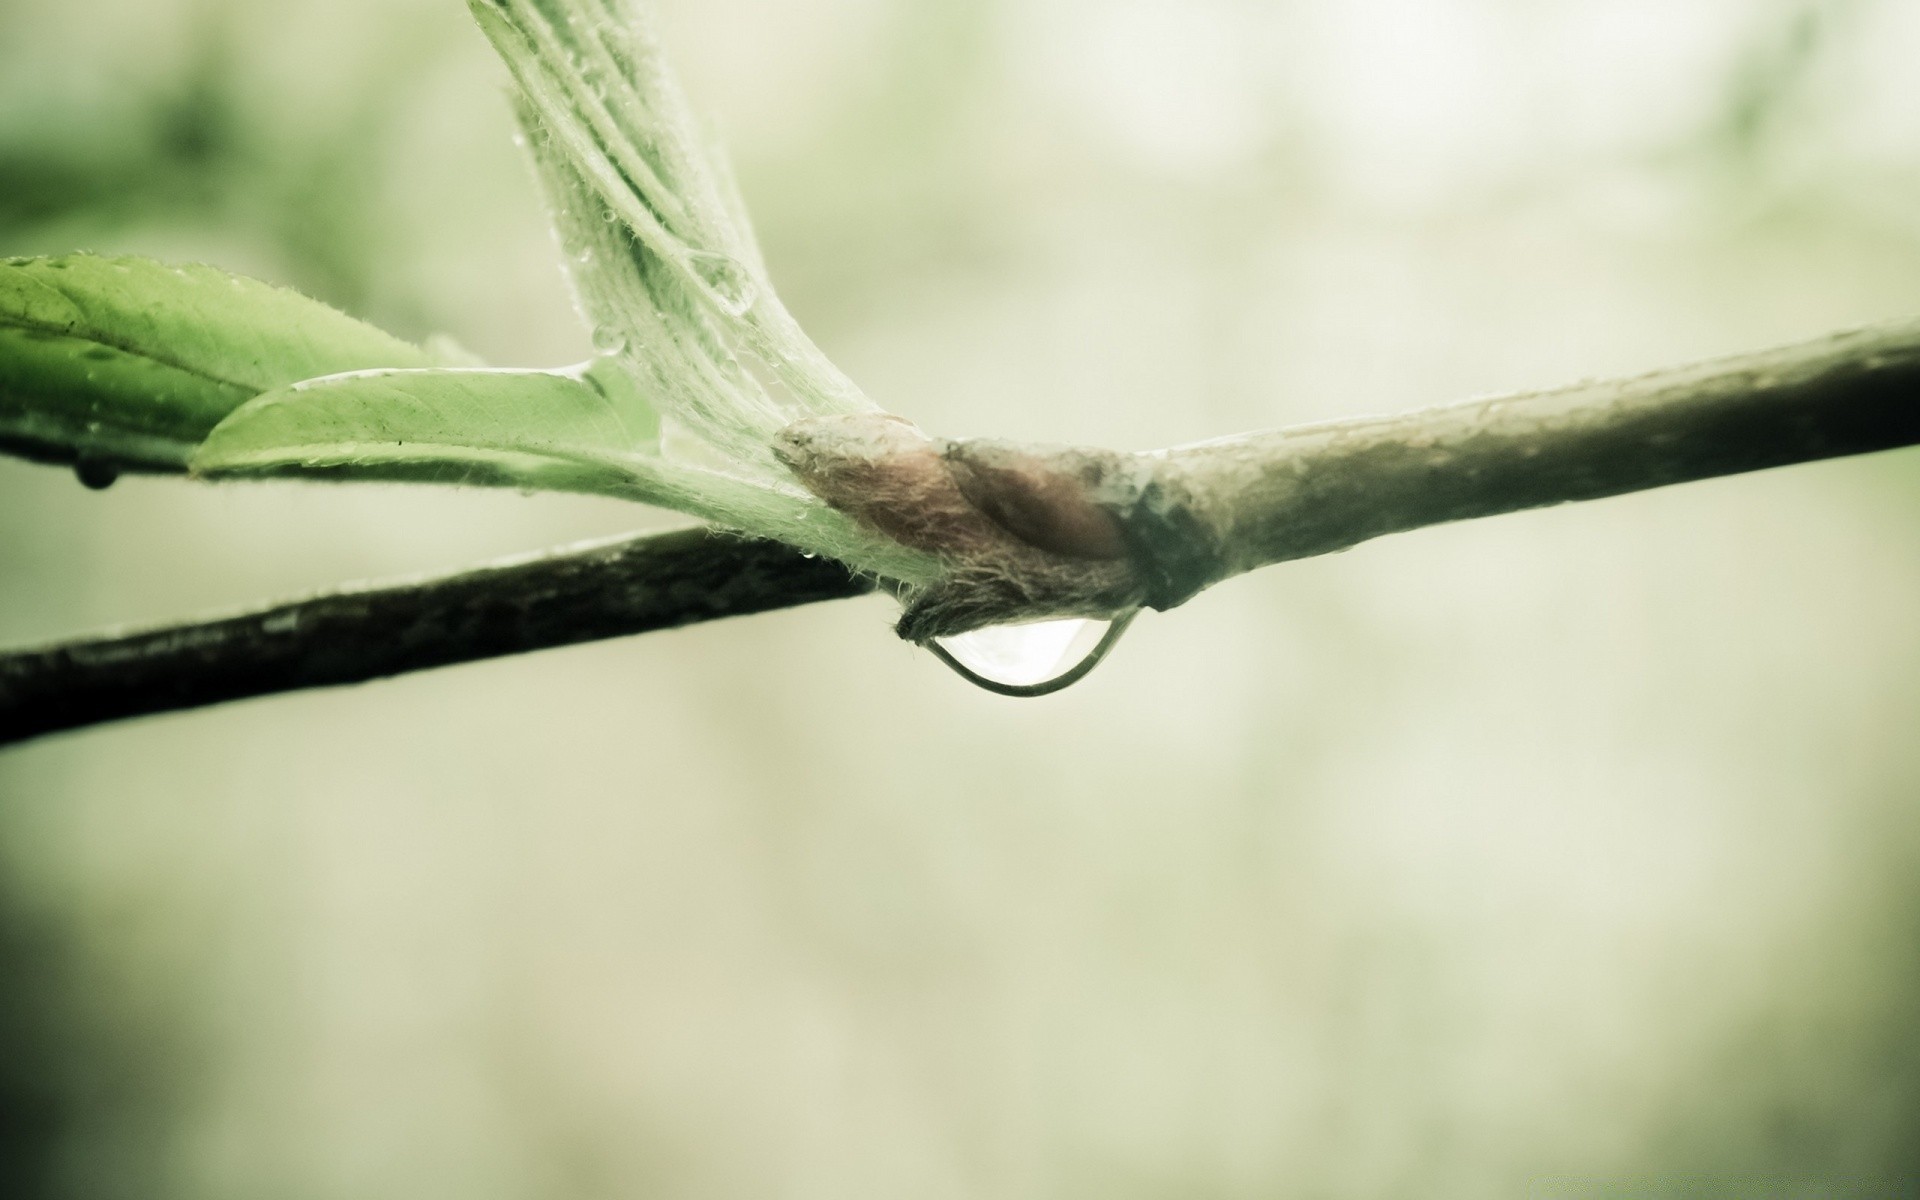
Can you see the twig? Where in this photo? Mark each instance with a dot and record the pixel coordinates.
(1296, 493)
(605, 590)
(1180, 521)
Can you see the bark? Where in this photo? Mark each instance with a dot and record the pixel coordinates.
(1269, 497)
(1197, 514)
(581, 594)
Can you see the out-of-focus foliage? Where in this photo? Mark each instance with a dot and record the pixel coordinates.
(1565, 852)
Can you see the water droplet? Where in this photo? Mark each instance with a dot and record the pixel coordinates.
(94, 474)
(731, 283)
(609, 339)
(1031, 659)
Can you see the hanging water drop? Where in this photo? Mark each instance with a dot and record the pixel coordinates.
(94, 474)
(730, 282)
(609, 339)
(1030, 659)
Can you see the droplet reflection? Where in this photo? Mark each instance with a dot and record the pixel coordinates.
(1031, 659)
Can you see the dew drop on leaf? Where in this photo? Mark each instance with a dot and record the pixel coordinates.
(608, 339)
(1033, 658)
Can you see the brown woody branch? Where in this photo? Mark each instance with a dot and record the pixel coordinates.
(1181, 520)
(635, 585)
(1036, 531)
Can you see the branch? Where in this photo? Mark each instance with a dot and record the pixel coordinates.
(1181, 520)
(583, 594)
(1031, 531)
(1270, 497)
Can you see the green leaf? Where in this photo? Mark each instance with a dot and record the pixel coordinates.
(555, 430)
(580, 430)
(128, 363)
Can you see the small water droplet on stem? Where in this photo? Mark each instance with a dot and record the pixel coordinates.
(94, 474)
(609, 339)
(730, 281)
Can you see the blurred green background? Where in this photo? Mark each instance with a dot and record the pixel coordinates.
(1564, 853)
